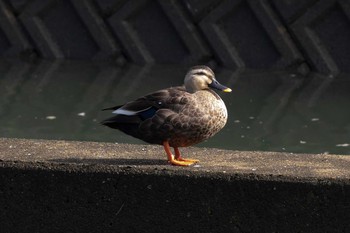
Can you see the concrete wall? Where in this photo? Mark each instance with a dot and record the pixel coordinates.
(59, 186)
(51, 198)
(251, 34)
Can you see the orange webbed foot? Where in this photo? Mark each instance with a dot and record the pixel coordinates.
(187, 160)
(179, 157)
(177, 160)
(182, 162)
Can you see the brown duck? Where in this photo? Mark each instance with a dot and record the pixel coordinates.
(177, 116)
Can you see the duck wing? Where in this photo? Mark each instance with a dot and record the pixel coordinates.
(147, 113)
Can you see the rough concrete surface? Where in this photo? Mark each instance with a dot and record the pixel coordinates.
(61, 186)
(277, 165)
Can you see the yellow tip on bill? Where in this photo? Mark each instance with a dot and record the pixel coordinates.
(227, 90)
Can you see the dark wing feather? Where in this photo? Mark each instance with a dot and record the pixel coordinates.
(166, 98)
(152, 110)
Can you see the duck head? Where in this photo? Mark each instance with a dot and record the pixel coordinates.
(202, 78)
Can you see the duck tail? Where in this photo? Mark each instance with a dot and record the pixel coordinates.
(112, 108)
(129, 125)
(118, 120)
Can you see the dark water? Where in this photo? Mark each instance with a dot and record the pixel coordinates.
(274, 111)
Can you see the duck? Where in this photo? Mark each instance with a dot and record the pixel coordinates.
(176, 117)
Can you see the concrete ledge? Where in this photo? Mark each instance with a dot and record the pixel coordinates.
(60, 186)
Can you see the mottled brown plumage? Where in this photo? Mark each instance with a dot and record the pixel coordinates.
(178, 116)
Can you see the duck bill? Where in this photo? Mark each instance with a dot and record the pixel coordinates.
(216, 85)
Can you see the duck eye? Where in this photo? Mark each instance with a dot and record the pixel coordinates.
(201, 73)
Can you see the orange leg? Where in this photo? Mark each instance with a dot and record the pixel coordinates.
(176, 160)
(179, 158)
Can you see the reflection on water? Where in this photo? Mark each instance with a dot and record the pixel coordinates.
(276, 111)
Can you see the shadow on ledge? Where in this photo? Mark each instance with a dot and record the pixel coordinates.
(126, 162)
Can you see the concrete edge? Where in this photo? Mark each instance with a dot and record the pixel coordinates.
(73, 156)
(138, 170)
(60, 186)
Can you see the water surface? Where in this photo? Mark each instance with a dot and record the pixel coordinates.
(270, 111)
